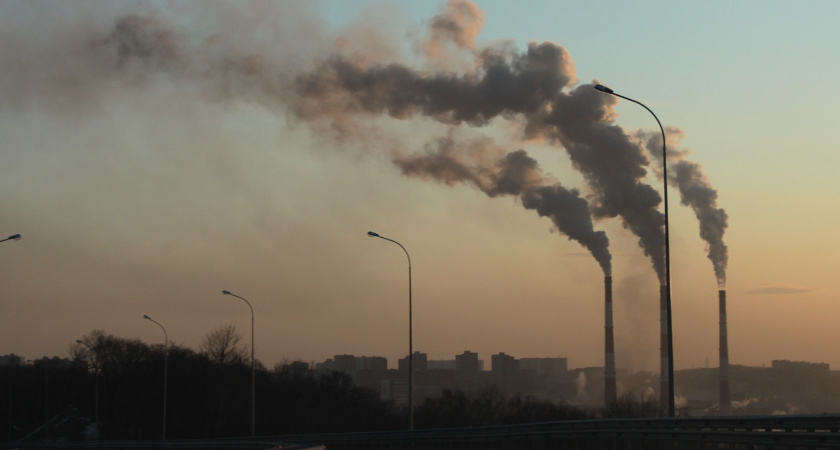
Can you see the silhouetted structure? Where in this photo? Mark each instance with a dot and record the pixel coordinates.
(467, 362)
(418, 361)
(610, 390)
(725, 400)
(503, 364)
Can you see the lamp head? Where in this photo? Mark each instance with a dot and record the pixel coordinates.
(226, 293)
(602, 88)
(15, 237)
(79, 341)
(372, 234)
(147, 317)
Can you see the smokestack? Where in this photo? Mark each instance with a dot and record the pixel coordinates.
(725, 401)
(609, 346)
(663, 348)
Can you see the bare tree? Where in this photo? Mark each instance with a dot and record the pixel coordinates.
(224, 345)
(88, 348)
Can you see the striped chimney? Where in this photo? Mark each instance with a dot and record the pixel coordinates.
(663, 348)
(609, 346)
(725, 401)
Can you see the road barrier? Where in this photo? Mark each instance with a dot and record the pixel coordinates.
(811, 432)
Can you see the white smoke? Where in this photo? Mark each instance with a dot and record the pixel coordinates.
(580, 381)
(744, 403)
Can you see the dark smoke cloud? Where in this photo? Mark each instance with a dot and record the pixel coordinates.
(230, 60)
(142, 39)
(610, 161)
(74, 56)
(484, 166)
(503, 85)
(150, 46)
(697, 193)
(527, 87)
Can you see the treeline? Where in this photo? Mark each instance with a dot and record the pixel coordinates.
(490, 406)
(119, 384)
(120, 381)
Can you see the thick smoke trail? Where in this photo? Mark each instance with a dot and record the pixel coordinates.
(526, 87)
(484, 166)
(234, 62)
(612, 164)
(503, 84)
(697, 193)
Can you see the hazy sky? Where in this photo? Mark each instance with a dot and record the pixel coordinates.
(156, 153)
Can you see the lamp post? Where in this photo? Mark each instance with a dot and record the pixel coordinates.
(668, 326)
(96, 382)
(410, 342)
(14, 237)
(253, 409)
(165, 368)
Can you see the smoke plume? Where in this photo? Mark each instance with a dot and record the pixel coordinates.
(483, 165)
(610, 161)
(229, 59)
(459, 25)
(526, 88)
(697, 193)
(89, 53)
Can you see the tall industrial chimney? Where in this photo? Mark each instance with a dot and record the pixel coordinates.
(663, 348)
(609, 346)
(725, 401)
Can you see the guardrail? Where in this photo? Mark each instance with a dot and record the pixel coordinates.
(747, 432)
(740, 432)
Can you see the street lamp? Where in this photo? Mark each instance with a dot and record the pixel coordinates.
(253, 410)
(410, 342)
(606, 90)
(96, 381)
(165, 368)
(14, 237)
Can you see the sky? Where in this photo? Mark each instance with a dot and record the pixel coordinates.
(156, 153)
